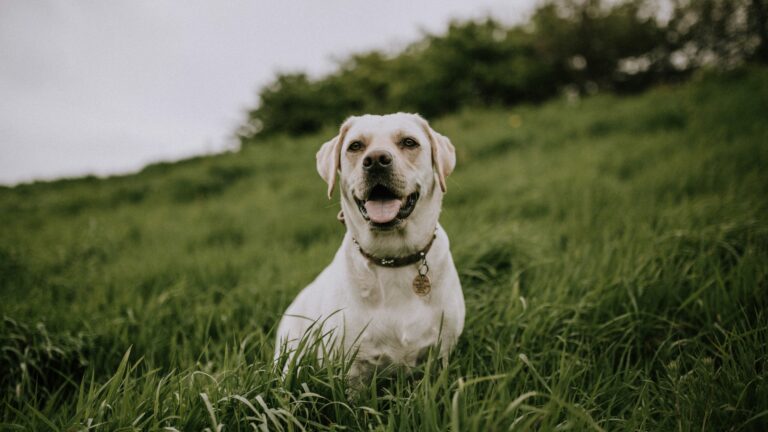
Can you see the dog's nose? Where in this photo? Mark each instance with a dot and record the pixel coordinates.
(377, 159)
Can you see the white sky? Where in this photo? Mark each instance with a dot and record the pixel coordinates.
(105, 87)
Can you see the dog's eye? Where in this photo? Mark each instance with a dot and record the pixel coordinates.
(355, 146)
(409, 142)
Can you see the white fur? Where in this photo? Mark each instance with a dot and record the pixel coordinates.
(371, 308)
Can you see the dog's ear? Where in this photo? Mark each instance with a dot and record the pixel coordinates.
(443, 157)
(443, 153)
(329, 157)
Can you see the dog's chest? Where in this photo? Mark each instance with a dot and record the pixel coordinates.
(399, 334)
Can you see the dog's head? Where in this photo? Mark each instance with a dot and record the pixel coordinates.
(392, 172)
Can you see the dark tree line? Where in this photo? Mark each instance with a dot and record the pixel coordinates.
(578, 46)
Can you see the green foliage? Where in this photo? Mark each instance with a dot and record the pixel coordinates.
(572, 46)
(38, 363)
(612, 252)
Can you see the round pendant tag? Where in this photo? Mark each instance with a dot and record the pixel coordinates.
(422, 285)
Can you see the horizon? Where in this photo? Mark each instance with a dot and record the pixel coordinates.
(122, 86)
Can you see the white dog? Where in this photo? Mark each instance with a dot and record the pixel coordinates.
(392, 290)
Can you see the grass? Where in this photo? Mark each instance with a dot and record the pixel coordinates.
(613, 254)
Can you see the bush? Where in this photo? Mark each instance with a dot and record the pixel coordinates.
(568, 45)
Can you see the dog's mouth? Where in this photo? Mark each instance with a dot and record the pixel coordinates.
(384, 208)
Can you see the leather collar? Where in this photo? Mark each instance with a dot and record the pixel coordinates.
(394, 262)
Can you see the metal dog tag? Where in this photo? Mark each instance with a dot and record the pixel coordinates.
(422, 285)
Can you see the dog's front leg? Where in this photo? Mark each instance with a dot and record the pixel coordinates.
(358, 376)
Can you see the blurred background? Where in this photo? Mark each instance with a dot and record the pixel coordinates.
(566, 47)
(106, 88)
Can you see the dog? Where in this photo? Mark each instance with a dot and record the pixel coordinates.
(392, 290)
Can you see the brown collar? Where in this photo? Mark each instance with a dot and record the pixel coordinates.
(393, 262)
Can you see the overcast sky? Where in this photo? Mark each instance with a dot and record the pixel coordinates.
(105, 87)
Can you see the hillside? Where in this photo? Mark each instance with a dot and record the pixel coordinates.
(613, 253)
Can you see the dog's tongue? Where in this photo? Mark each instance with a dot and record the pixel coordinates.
(382, 211)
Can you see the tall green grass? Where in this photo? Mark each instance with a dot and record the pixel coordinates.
(613, 254)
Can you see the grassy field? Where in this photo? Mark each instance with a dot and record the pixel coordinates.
(613, 253)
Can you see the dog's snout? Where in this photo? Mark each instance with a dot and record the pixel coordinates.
(377, 159)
